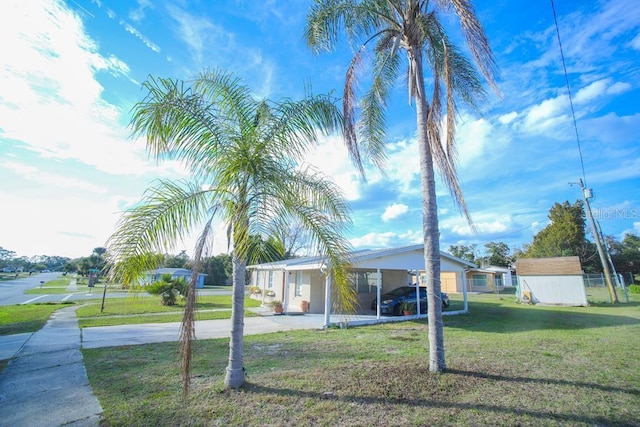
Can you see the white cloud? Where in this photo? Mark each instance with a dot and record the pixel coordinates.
(330, 156)
(52, 111)
(592, 91)
(394, 211)
(62, 182)
(387, 239)
(635, 43)
(195, 31)
(505, 119)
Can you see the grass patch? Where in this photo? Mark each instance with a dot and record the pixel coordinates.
(18, 319)
(155, 318)
(509, 364)
(147, 309)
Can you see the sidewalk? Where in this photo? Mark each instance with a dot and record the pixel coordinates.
(46, 383)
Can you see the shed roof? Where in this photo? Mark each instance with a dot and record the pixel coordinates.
(557, 266)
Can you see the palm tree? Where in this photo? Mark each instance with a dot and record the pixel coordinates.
(412, 27)
(245, 156)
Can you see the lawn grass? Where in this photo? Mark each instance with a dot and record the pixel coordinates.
(508, 364)
(18, 319)
(147, 309)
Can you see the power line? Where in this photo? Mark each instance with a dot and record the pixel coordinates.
(566, 79)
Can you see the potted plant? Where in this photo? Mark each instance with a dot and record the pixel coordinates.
(255, 290)
(277, 306)
(408, 309)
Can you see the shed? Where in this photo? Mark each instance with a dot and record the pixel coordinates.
(555, 280)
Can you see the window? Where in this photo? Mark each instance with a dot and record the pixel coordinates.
(365, 282)
(478, 280)
(298, 283)
(270, 283)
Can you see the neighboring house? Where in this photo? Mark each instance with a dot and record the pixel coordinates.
(551, 281)
(156, 275)
(302, 282)
(489, 279)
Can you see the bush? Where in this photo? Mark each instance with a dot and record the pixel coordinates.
(634, 289)
(169, 289)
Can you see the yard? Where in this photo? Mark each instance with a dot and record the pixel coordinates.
(509, 364)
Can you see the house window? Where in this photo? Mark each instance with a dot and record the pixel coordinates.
(365, 282)
(270, 283)
(298, 283)
(479, 280)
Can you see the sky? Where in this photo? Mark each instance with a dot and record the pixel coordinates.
(71, 70)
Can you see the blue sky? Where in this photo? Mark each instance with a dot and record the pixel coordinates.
(71, 71)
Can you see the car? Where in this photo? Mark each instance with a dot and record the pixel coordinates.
(392, 301)
(7, 270)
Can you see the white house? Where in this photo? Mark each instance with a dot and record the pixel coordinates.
(156, 275)
(302, 285)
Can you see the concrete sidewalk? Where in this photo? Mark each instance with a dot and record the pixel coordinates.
(266, 322)
(46, 383)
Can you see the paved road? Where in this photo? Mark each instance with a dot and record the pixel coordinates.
(12, 291)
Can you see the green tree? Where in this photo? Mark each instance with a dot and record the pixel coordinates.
(248, 153)
(565, 236)
(465, 252)
(176, 261)
(626, 254)
(218, 269)
(497, 253)
(409, 30)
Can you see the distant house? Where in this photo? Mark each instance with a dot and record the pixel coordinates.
(302, 284)
(156, 275)
(556, 280)
(489, 279)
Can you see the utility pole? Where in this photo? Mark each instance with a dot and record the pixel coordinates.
(586, 195)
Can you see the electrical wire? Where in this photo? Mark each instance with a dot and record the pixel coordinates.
(566, 79)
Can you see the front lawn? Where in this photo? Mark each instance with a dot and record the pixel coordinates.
(509, 364)
(18, 319)
(144, 308)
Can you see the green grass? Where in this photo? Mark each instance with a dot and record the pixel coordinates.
(18, 319)
(147, 309)
(508, 364)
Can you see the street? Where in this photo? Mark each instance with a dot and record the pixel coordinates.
(12, 291)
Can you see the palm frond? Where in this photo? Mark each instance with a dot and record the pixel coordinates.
(167, 212)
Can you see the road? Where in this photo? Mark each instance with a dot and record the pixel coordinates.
(12, 291)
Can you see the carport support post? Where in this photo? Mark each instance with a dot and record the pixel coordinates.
(379, 293)
(465, 307)
(327, 300)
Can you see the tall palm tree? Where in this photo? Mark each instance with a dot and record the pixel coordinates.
(245, 155)
(409, 32)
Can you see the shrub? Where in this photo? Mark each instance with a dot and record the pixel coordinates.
(634, 289)
(169, 289)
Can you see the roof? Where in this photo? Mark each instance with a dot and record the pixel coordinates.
(364, 258)
(173, 271)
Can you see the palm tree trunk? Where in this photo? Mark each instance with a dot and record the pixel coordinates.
(235, 369)
(429, 222)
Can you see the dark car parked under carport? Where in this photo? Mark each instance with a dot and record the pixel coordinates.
(393, 300)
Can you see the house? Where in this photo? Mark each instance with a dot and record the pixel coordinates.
(302, 284)
(556, 280)
(489, 279)
(156, 275)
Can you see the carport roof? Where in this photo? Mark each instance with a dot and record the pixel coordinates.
(365, 258)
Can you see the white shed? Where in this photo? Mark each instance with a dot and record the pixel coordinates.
(551, 281)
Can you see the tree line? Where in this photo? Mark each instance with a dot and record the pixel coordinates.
(565, 235)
